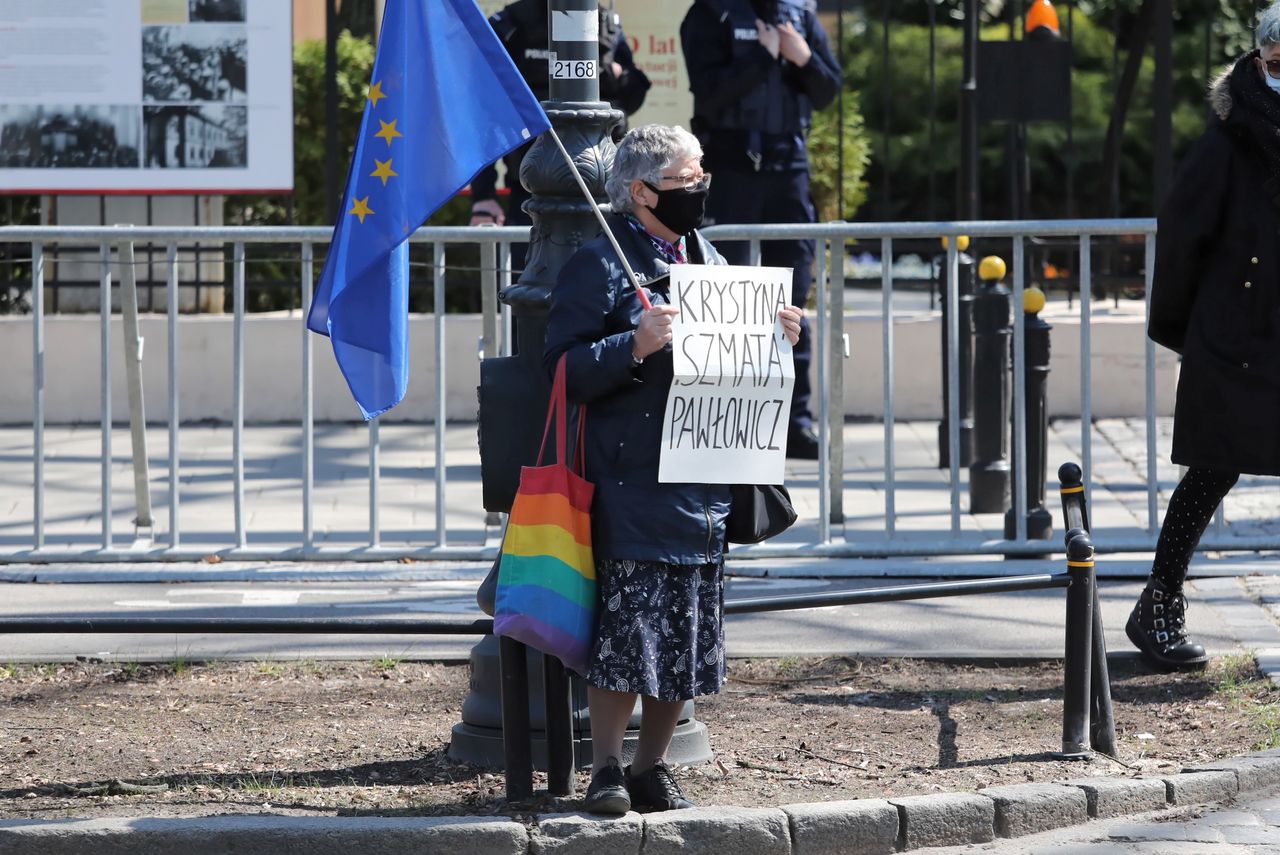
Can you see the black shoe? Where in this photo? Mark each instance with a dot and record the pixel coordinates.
(656, 789)
(1157, 627)
(802, 443)
(608, 791)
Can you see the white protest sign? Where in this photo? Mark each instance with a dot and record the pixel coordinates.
(729, 404)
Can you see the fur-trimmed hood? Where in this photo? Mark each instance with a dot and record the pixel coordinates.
(1220, 93)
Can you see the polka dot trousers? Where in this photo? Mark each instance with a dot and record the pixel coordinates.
(1190, 509)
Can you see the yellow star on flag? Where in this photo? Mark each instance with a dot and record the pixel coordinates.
(388, 131)
(376, 94)
(361, 209)
(383, 171)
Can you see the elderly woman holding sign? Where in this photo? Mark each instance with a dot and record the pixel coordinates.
(659, 547)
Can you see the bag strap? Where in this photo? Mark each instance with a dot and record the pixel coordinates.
(558, 411)
(556, 406)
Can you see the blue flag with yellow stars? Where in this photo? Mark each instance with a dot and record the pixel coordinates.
(444, 102)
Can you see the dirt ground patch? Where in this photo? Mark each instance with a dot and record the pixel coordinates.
(326, 738)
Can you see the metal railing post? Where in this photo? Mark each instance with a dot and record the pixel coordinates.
(1019, 431)
(489, 323)
(308, 414)
(133, 348)
(375, 466)
(1029, 471)
(37, 391)
(171, 289)
(104, 308)
(839, 350)
(1076, 669)
(440, 470)
(237, 393)
(1149, 352)
(822, 332)
(488, 300)
(952, 398)
(1086, 356)
(886, 313)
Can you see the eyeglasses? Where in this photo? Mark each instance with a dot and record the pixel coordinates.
(687, 182)
(1273, 67)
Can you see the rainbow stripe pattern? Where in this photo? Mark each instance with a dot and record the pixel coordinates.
(546, 579)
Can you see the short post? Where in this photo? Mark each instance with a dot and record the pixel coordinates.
(517, 746)
(993, 332)
(965, 286)
(1036, 383)
(559, 727)
(1075, 510)
(1079, 647)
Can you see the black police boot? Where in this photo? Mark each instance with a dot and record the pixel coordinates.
(802, 443)
(1157, 627)
(656, 789)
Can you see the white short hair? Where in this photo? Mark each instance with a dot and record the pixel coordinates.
(642, 155)
(1268, 29)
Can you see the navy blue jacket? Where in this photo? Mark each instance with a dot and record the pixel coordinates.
(593, 316)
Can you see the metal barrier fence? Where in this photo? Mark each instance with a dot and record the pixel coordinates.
(830, 349)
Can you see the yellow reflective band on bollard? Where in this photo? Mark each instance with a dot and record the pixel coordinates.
(1079, 563)
(1079, 489)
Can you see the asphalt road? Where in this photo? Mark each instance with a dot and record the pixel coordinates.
(1024, 624)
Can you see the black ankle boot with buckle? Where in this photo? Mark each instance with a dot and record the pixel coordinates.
(1157, 627)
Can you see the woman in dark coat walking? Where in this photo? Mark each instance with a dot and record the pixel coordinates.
(1216, 301)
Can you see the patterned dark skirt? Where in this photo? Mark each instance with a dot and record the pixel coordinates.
(659, 629)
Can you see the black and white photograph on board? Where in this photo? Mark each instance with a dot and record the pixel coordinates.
(216, 10)
(195, 62)
(196, 136)
(70, 137)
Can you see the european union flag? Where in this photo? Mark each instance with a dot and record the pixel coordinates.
(445, 101)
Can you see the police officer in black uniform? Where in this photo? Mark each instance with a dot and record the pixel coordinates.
(758, 69)
(522, 26)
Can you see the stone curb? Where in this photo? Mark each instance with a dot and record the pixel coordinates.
(859, 827)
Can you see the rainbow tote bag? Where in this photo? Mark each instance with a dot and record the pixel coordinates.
(546, 576)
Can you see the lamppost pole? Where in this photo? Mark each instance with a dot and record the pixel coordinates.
(969, 116)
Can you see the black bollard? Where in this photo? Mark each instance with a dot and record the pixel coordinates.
(993, 331)
(1076, 669)
(1036, 383)
(967, 271)
(1102, 723)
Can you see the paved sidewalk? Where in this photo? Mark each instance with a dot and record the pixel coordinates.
(1249, 826)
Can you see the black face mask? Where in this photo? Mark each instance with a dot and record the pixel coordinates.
(681, 209)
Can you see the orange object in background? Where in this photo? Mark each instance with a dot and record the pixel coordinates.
(1042, 14)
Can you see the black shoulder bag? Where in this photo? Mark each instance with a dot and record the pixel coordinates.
(758, 512)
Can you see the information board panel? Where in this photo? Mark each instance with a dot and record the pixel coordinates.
(146, 96)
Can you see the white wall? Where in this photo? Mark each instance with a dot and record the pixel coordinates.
(273, 369)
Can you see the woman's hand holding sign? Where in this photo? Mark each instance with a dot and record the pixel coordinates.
(654, 331)
(790, 317)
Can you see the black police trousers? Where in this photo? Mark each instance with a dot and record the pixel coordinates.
(773, 197)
